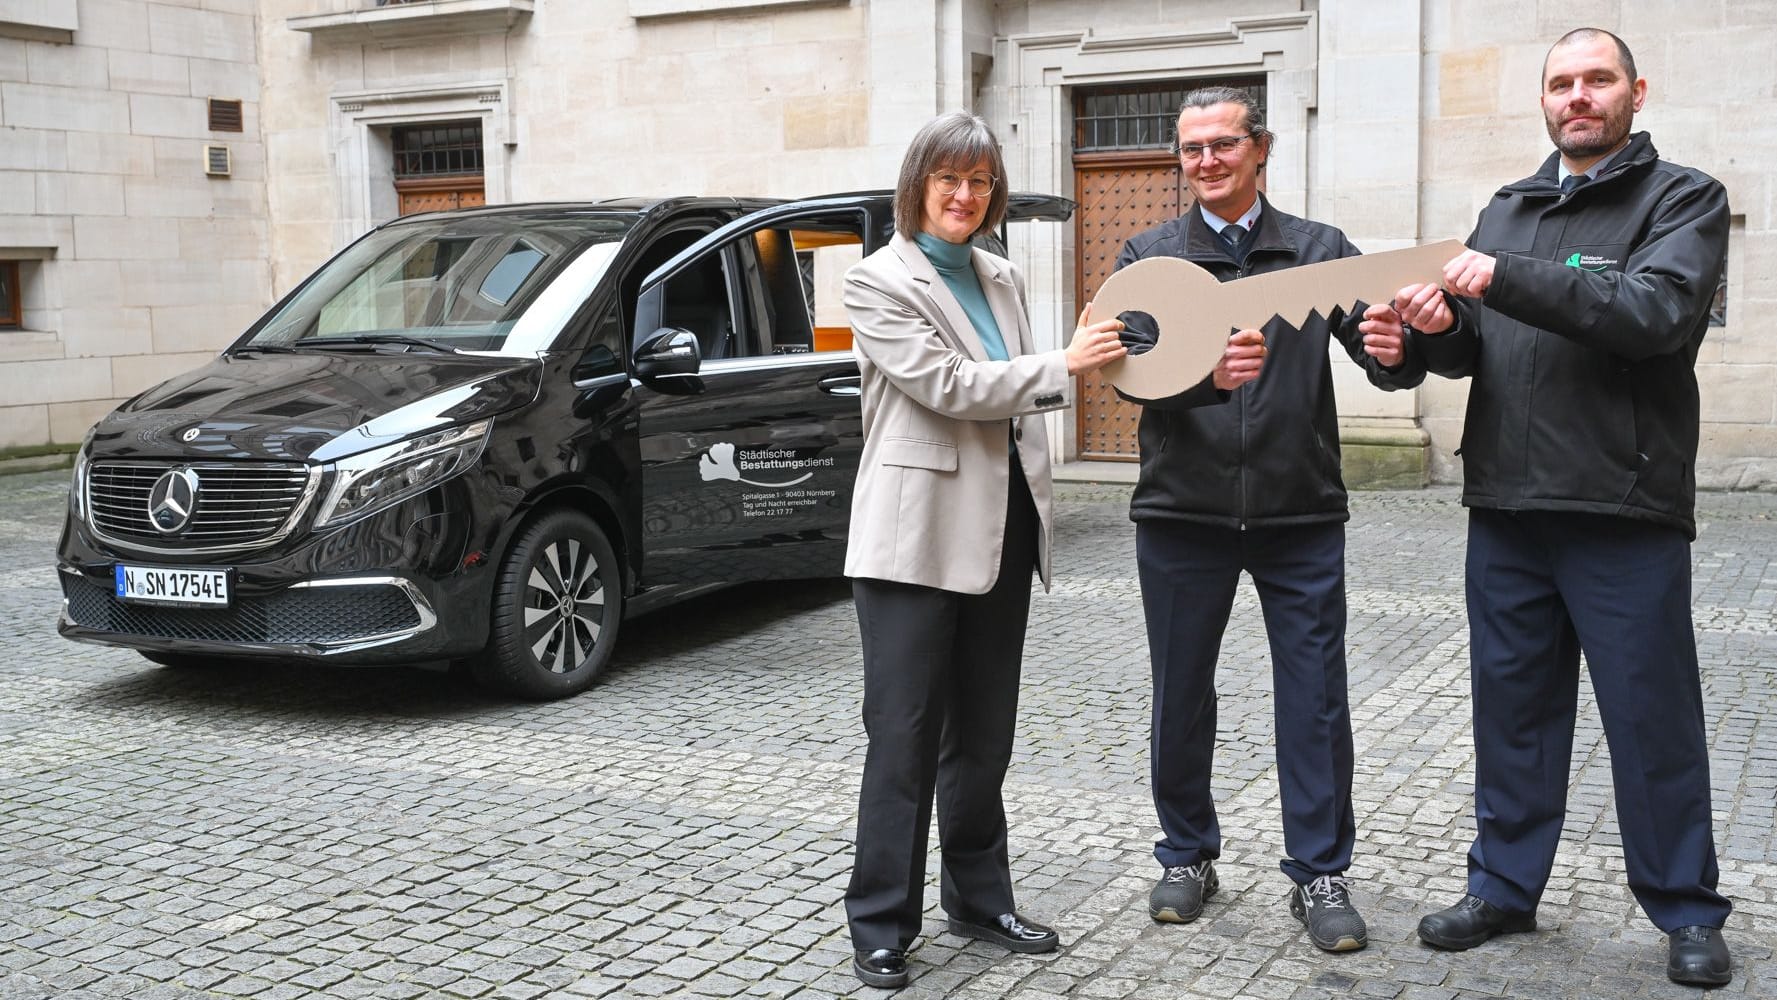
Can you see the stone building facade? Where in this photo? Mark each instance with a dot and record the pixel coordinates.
(1396, 120)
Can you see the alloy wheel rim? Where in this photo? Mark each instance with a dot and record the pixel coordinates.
(564, 606)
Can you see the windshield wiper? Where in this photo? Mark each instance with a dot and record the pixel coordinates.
(266, 349)
(373, 339)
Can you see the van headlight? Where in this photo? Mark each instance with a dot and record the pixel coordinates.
(381, 477)
(77, 489)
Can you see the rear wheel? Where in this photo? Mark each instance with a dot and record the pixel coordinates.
(558, 602)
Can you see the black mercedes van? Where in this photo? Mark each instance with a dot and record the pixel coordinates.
(487, 436)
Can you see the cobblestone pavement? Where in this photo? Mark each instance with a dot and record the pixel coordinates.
(683, 829)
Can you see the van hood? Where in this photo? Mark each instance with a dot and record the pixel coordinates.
(313, 406)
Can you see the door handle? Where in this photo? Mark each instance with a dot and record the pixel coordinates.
(842, 385)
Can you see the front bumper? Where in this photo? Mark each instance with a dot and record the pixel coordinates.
(391, 588)
(309, 618)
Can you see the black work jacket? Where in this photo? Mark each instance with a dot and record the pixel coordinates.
(1583, 348)
(1267, 453)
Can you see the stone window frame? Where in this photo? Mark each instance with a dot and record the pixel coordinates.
(12, 297)
(1029, 100)
(361, 126)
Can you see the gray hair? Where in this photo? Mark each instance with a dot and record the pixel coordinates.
(957, 141)
(1209, 97)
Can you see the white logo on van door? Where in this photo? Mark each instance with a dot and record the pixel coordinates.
(724, 461)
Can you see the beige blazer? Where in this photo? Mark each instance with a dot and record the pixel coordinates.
(930, 502)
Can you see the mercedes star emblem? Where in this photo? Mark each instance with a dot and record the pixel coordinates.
(172, 500)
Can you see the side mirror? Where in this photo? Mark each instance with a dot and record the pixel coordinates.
(668, 360)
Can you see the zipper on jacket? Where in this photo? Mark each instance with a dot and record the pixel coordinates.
(1244, 505)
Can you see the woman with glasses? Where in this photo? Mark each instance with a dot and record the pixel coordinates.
(949, 518)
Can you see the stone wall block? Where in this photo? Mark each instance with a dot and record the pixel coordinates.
(79, 194)
(230, 81)
(1369, 87)
(96, 153)
(1468, 83)
(1726, 63)
(29, 105)
(827, 121)
(40, 382)
(204, 34)
(67, 65)
(147, 73)
(18, 192)
(207, 327)
(1644, 21)
(161, 115)
(1738, 393)
(114, 24)
(1555, 18)
(184, 196)
(1737, 456)
(225, 239)
(1744, 12)
(1482, 22)
(14, 62)
(33, 149)
(1490, 150)
(22, 426)
(99, 238)
(102, 333)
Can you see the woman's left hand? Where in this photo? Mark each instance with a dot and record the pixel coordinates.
(1095, 344)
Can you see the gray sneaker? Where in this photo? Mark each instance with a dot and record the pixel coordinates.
(1178, 896)
(1324, 907)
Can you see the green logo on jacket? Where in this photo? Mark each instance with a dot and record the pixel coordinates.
(1588, 262)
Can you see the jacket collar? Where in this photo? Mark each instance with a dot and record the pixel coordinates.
(1204, 244)
(996, 283)
(1546, 181)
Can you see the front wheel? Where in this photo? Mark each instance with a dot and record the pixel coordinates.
(558, 602)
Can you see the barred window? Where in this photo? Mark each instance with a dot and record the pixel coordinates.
(1143, 115)
(440, 149)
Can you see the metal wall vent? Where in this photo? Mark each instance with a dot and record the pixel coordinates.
(218, 162)
(225, 116)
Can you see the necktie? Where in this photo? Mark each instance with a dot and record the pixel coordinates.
(1572, 181)
(1232, 234)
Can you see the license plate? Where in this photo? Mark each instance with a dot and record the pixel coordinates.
(161, 585)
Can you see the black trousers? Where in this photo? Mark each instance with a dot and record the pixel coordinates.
(941, 676)
(1189, 573)
(1543, 587)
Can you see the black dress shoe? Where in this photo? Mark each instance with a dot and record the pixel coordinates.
(1471, 922)
(884, 967)
(1010, 931)
(1698, 956)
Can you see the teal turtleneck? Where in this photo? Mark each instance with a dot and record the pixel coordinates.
(954, 263)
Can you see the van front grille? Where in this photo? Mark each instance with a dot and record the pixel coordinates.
(235, 504)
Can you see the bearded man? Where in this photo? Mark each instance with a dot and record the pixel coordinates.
(1578, 312)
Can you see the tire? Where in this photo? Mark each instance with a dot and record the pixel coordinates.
(552, 633)
(183, 661)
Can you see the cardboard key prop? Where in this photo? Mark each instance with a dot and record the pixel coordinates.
(1195, 312)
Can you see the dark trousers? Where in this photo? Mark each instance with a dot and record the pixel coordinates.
(940, 703)
(1189, 573)
(1543, 587)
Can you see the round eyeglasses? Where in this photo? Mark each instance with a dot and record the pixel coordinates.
(1225, 146)
(947, 182)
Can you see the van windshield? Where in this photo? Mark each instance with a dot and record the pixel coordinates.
(459, 283)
